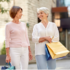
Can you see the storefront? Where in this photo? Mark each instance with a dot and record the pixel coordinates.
(61, 17)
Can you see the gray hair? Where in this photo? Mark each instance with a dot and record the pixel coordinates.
(44, 9)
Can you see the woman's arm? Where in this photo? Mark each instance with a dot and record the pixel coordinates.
(7, 36)
(56, 34)
(42, 39)
(7, 39)
(8, 58)
(7, 51)
(55, 37)
(36, 38)
(30, 54)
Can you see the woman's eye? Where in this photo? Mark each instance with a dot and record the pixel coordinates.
(41, 13)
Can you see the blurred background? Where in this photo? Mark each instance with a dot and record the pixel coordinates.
(59, 13)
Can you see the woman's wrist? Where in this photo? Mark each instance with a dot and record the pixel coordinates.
(29, 49)
(7, 51)
(7, 54)
(45, 38)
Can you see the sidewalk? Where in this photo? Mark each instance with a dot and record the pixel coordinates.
(61, 64)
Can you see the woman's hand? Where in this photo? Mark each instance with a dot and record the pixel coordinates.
(30, 56)
(49, 39)
(42, 39)
(8, 58)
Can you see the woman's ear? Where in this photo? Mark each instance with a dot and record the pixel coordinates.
(47, 15)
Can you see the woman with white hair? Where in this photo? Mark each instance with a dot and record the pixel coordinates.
(43, 33)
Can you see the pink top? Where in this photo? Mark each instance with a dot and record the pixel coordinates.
(16, 35)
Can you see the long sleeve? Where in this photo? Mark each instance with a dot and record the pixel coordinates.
(27, 36)
(35, 36)
(7, 36)
(56, 34)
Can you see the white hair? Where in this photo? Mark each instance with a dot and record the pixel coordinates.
(44, 9)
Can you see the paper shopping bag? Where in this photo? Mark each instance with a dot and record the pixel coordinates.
(57, 49)
(48, 56)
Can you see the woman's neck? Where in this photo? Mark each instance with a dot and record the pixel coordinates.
(15, 20)
(45, 21)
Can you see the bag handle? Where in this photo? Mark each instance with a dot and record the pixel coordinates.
(52, 37)
(8, 64)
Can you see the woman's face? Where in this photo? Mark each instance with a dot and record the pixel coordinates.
(19, 14)
(42, 15)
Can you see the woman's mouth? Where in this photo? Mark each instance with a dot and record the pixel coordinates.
(41, 17)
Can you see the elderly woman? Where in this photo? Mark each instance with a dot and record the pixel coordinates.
(17, 42)
(43, 33)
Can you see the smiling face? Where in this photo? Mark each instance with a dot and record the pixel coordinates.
(42, 15)
(19, 14)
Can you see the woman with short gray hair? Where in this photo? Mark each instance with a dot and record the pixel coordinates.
(42, 34)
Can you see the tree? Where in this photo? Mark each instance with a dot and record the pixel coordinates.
(3, 50)
(2, 10)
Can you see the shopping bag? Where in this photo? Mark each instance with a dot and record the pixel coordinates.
(48, 56)
(8, 66)
(57, 49)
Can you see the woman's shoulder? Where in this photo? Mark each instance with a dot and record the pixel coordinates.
(38, 24)
(23, 23)
(9, 23)
(53, 24)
